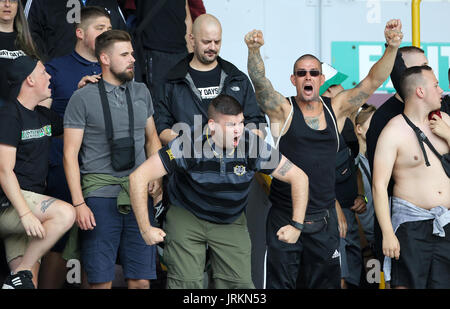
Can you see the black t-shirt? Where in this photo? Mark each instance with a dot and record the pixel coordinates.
(167, 29)
(8, 52)
(207, 83)
(30, 132)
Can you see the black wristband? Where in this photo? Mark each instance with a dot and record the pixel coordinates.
(297, 225)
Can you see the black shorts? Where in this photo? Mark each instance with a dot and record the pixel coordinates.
(424, 258)
(312, 262)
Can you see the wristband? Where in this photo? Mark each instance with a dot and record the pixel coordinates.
(79, 204)
(297, 225)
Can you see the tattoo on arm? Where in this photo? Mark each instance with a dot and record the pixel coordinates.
(266, 95)
(46, 204)
(285, 168)
(359, 99)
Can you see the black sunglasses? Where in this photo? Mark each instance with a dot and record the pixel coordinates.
(302, 73)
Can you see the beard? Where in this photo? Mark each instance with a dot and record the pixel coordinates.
(123, 76)
(204, 59)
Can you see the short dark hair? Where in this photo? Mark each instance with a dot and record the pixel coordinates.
(225, 105)
(89, 12)
(409, 78)
(108, 38)
(411, 50)
(308, 56)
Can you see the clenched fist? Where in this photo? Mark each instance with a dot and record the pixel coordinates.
(393, 32)
(254, 39)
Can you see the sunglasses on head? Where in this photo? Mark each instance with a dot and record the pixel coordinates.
(302, 73)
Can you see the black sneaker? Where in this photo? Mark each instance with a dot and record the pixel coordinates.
(21, 280)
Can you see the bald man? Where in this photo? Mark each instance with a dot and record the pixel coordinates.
(200, 77)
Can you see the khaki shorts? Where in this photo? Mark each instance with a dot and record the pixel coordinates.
(185, 251)
(11, 229)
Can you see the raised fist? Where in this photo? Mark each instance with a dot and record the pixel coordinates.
(254, 39)
(393, 32)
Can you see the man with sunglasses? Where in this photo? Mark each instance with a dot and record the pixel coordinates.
(307, 125)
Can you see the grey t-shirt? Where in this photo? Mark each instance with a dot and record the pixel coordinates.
(84, 111)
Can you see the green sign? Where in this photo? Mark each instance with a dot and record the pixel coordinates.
(356, 58)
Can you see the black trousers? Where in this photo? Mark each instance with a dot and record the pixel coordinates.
(313, 262)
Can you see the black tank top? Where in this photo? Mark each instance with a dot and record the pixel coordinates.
(314, 151)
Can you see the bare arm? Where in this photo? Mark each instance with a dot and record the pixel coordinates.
(384, 160)
(346, 103)
(152, 145)
(269, 100)
(11, 188)
(147, 172)
(167, 135)
(288, 172)
(72, 144)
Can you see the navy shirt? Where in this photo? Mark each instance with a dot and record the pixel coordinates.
(212, 185)
(66, 73)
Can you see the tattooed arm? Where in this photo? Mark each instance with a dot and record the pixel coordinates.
(288, 172)
(270, 101)
(346, 103)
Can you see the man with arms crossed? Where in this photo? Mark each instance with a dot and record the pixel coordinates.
(309, 140)
(419, 227)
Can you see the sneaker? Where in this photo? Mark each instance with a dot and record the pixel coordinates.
(21, 280)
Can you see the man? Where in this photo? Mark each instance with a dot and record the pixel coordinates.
(68, 74)
(26, 129)
(108, 225)
(199, 78)
(418, 234)
(209, 197)
(407, 57)
(52, 23)
(310, 140)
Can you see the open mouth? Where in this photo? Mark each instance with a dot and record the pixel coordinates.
(235, 141)
(308, 89)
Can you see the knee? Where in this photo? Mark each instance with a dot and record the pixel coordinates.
(138, 284)
(65, 215)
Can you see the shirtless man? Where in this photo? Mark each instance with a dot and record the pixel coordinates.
(309, 140)
(421, 193)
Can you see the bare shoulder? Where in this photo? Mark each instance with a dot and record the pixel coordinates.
(395, 130)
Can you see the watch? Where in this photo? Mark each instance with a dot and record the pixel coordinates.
(297, 225)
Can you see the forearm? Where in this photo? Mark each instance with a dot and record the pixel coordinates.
(299, 193)
(264, 90)
(152, 145)
(167, 136)
(381, 205)
(11, 188)
(139, 199)
(72, 171)
(383, 68)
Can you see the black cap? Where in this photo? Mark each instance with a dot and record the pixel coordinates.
(17, 71)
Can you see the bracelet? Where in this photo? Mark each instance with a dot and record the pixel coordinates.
(79, 204)
(20, 217)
